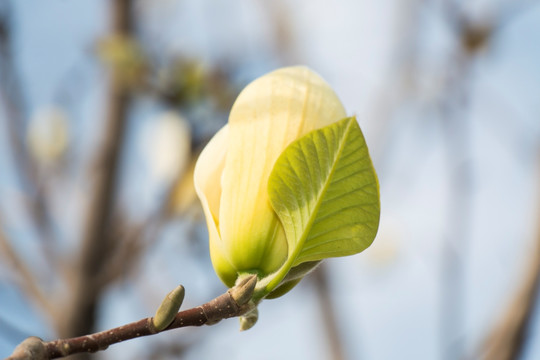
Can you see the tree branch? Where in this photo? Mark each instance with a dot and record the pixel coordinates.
(508, 338)
(28, 281)
(235, 302)
(97, 244)
(14, 105)
(328, 313)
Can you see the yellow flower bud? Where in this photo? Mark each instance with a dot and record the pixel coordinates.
(231, 175)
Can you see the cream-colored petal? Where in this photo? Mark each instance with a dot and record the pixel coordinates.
(207, 181)
(268, 115)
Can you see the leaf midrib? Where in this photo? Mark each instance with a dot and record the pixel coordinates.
(292, 257)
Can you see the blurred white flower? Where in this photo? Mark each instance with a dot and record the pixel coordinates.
(166, 146)
(47, 134)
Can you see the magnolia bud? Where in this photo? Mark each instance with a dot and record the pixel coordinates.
(231, 175)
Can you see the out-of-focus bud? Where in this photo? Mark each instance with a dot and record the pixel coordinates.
(183, 81)
(48, 135)
(125, 57)
(183, 199)
(167, 146)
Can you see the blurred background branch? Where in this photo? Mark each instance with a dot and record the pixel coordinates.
(98, 241)
(26, 279)
(514, 326)
(15, 108)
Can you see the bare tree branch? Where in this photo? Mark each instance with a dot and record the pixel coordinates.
(328, 314)
(28, 281)
(97, 243)
(137, 238)
(15, 107)
(508, 338)
(235, 302)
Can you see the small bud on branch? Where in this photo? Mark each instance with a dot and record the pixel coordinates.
(169, 308)
(235, 302)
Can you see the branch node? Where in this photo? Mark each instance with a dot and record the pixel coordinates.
(249, 319)
(243, 291)
(32, 348)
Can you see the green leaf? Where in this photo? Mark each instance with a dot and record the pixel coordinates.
(324, 190)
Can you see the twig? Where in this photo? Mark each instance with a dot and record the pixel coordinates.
(28, 281)
(97, 244)
(235, 302)
(508, 338)
(455, 125)
(327, 311)
(136, 238)
(15, 107)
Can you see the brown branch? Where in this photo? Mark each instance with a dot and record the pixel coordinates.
(328, 313)
(136, 238)
(508, 338)
(97, 242)
(15, 107)
(235, 302)
(28, 281)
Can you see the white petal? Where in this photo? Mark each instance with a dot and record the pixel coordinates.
(207, 181)
(268, 115)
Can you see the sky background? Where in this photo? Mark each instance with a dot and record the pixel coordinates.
(455, 143)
